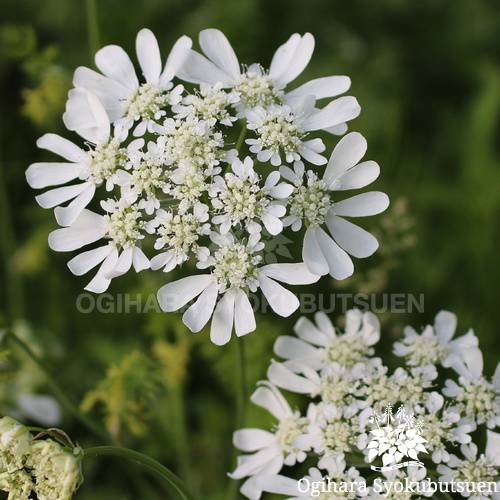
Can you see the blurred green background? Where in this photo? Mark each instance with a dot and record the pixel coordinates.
(427, 76)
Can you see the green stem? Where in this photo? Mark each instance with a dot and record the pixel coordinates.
(92, 27)
(149, 462)
(242, 382)
(241, 138)
(59, 393)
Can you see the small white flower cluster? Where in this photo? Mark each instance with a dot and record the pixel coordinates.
(179, 173)
(349, 417)
(44, 467)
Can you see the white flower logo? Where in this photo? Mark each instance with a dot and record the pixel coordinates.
(400, 437)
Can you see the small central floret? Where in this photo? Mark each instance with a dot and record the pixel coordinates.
(146, 102)
(123, 223)
(257, 89)
(479, 399)
(104, 160)
(310, 202)
(278, 130)
(235, 267)
(288, 429)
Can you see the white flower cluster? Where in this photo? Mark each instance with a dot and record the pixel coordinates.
(183, 182)
(349, 421)
(44, 467)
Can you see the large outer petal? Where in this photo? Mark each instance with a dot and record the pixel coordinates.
(65, 216)
(281, 300)
(269, 397)
(222, 321)
(115, 63)
(178, 54)
(40, 175)
(198, 69)
(293, 274)
(346, 154)
(336, 112)
(218, 49)
(84, 262)
(329, 86)
(361, 205)
(339, 263)
(250, 440)
(198, 315)
(85, 77)
(351, 238)
(291, 59)
(173, 296)
(62, 147)
(244, 317)
(312, 254)
(148, 54)
(88, 228)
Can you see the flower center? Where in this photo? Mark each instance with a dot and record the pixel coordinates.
(479, 399)
(425, 351)
(278, 130)
(346, 350)
(235, 267)
(103, 161)
(475, 471)
(257, 89)
(178, 232)
(288, 429)
(193, 141)
(147, 177)
(241, 198)
(210, 105)
(146, 102)
(123, 223)
(310, 202)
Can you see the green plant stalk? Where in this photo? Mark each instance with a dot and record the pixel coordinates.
(59, 393)
(149, 462)
(92, 28)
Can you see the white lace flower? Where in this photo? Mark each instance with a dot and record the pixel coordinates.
(94, 167)
(179, 234)
(239, 198)
(125, 99)
(210, 104)
(256, 86)
(269, 451)
(122, 225)
(476, 397)
(311, 203)
(282, 129)
(473, 468)
(318, 346)
(236, 270)
(434, 344)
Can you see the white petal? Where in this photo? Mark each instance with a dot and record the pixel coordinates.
(40, 175)
(341, 110)
(85, 77)
(139, 260)
(198, 69)
(250, 440)
(148, 54)
(493, 447)
(445, 325)
(312, 254)
(296, 60)
(222, 321)
(339, 263)
(359, 176)
(281, 300)
(173, 296)
(60, 195)
(61, 147)
(320, 88)
(218, 49)
(362, 205)
(176, 58)
(293, 348)
(198, 315)
(100, 116)
(123, 264)
(283, 56)
(86, 229)
(100, 283)
(281, 376)
(346, 154)
(273, 483)
(65, 216)
(114, 62)
(41, 408)
(272, 223)
(86, 261)
(244, 317)
(269, 397)
(307, 330)
(351, 238)
(293, 274)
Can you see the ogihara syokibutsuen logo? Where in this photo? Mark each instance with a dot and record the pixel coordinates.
(394, 438)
